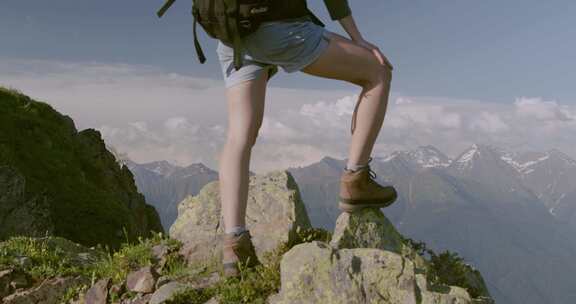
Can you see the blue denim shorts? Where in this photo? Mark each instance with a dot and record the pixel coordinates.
(291, 44)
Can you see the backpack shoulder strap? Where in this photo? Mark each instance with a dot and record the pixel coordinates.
(232, 7)
(164, 8)
(197, 46)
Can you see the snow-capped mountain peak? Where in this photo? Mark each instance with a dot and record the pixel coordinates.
(423, 156)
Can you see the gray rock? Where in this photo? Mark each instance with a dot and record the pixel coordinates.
(98, 293)
(159, 251)
(317, 273)
(48, 292)
(368, 228)
(142, 299)
(213, 300)
(275, 212)
(166, 292)
(162, 280)
(142, 280)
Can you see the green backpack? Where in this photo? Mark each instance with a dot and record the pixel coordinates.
(230, 20)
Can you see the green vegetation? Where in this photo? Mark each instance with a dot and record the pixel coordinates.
(447, 268)
(56, 256)
(89, 197)
(44, 257)
(255, 284)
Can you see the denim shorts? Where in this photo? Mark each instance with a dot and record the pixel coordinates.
(291, 44)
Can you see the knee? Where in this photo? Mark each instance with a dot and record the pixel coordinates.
(378, 74)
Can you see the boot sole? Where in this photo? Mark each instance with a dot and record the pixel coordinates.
(347, 205)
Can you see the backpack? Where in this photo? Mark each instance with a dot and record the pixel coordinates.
(231, 20)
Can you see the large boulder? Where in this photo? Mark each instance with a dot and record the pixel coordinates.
(369, 228)
(274, 214)
(318, 273)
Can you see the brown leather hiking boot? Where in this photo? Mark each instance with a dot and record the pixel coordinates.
(358, 189)
(238, 249)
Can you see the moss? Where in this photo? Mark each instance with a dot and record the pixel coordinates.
(46, 257)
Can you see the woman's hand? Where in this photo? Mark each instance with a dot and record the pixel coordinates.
(376, 51)
(350, 27)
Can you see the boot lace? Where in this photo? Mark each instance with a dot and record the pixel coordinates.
(371, 173)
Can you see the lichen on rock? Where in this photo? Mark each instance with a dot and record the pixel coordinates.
(275, 213)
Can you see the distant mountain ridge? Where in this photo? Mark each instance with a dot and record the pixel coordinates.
(501, 210)
(481, 204)
(164, 185)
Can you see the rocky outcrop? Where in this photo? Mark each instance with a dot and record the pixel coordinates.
(367, 261)
(274, 214)
(59, 181)
(368, 228)
(315, 273)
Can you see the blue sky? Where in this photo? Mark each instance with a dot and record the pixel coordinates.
(492, 50)
(488, 72)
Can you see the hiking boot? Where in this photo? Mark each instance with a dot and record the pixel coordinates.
(237, 249)
(358, 189)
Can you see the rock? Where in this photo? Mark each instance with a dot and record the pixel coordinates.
(274, 214)
(48, 292)
(98, 293)
(161, 281)
(166, 292)
(12, 279)
(370, 228)
(140, 299)
(142, 280)
(205, 281)
(160, 251)
(316, 272)
(213, 300)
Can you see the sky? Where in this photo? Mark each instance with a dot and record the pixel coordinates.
(500, 72)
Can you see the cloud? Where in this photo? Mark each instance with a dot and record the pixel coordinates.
(149, 114)
(542, 110)
(489, 123)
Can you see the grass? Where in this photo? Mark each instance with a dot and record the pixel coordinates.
(55, 256)
(255, 284)
(447, 268)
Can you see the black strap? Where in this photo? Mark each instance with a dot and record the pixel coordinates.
(164, 8)
(197, 46)
(233, 29)
(315, 19)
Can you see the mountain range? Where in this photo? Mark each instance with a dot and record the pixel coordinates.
(511, 214)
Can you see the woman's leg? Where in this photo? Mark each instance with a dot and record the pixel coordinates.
(345, 60)
(245, 114)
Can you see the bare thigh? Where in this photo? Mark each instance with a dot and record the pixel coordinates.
(246, 110)
(347, 61)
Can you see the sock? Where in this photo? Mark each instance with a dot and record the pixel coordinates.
(353, 167)
(236, 230)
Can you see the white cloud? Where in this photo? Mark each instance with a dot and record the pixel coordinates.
(541, 109)
(150, 114)
(489, 122)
